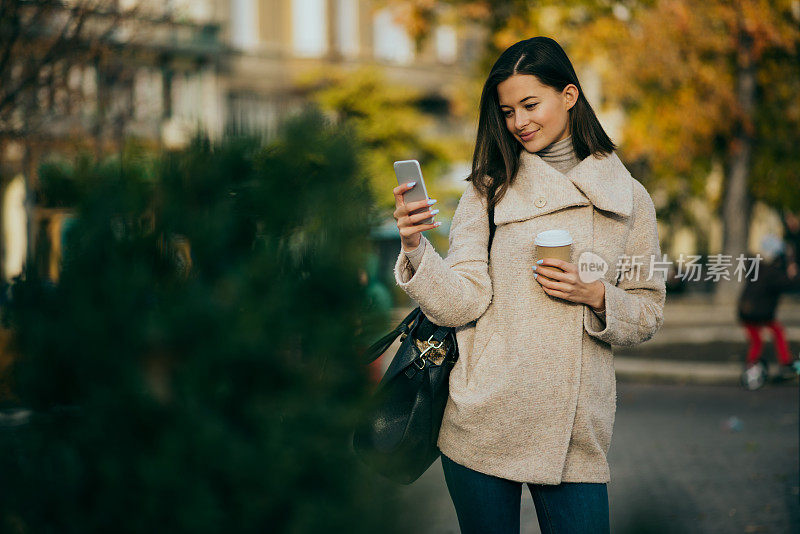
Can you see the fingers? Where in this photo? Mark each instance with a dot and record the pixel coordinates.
(407, 231)
(418, 206)
(565, 266)
(421, 216)
(410, 225)
(409, 216)
(554, 274)
(404, 218)
(552, 286)
(404, 208)
(398, 193)
(553, 281)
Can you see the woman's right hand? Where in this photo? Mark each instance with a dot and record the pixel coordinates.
(409, 215)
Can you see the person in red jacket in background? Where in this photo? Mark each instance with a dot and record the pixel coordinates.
(756, 310)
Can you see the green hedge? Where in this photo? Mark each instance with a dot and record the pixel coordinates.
(196, 367)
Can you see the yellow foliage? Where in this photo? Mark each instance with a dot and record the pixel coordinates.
(387, 122)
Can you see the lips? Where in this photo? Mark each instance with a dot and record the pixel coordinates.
(528, 136)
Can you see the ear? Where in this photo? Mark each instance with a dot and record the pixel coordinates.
(570, 95)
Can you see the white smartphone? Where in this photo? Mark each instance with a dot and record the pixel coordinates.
(410, 171)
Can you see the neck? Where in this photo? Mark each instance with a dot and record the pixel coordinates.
(560, 155)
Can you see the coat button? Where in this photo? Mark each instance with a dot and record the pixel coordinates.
(540, 202)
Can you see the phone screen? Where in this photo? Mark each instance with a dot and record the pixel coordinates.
(410, 171)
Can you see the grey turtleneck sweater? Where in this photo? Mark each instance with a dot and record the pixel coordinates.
(560, 155)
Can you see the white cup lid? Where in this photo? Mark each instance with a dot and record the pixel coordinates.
(553, 238)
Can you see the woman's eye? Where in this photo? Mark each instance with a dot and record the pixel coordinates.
(507, 113)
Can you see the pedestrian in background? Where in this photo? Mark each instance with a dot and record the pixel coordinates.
(757, 304)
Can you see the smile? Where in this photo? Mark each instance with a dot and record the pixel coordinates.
(528, 136)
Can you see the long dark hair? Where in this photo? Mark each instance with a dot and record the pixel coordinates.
(496, 157)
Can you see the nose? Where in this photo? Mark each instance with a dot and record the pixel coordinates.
(520, 121)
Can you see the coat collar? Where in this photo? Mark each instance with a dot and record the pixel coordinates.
(538, 188)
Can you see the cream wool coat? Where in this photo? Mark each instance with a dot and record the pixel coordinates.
(532, 397)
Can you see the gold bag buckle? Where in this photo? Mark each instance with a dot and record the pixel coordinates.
(421, 358)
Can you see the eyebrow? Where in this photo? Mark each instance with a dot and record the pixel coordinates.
(521, 101)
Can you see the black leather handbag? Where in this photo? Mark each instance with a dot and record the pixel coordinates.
(397, 434)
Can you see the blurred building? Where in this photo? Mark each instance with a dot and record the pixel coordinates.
(277, 40)
(170, 68)
(144, 69)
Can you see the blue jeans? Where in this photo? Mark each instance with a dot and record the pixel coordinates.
(486, 504)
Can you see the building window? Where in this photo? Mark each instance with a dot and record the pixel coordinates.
(15, 233)
(347, 25)
(147, 89)
(392, 42)
(446, 44)
(244, 20)
(309, 28)
(254, 114)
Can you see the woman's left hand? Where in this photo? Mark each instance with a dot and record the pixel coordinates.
(568, 285)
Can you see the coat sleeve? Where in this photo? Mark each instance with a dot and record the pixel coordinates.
(635, 304)
(455, 290)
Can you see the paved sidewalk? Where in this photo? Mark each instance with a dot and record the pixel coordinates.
(671, 371)
(683, 459)
(702, 343)
(694, 319)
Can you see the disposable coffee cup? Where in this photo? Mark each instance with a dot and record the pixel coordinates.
(553, 244)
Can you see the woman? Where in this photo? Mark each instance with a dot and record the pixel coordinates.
(533, 395)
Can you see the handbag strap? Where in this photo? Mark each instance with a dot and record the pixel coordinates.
(379, 347)
(441, 333)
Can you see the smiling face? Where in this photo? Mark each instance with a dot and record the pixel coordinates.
(537, 115)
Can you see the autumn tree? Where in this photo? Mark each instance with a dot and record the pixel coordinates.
(702, 85)
(44, 44)
(706, 83)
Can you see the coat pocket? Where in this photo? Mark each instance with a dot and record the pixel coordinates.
(479, 351)
(485, 361)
